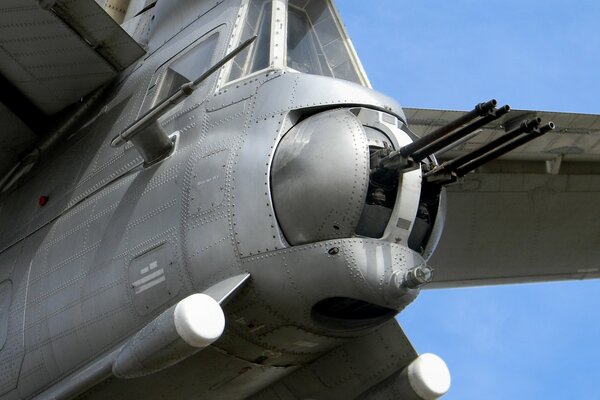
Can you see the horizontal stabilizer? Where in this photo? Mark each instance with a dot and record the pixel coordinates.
(531, 215)
(55, 52)
(349, 370)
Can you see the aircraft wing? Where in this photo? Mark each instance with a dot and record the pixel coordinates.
(533, 215)
(52, 53)
(367, 366)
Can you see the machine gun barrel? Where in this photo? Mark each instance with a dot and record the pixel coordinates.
(499, 151)
(480, 110)
(459, 134)
(157, 144)
(525, 127)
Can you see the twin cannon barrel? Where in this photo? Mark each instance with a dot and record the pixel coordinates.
(451, 134)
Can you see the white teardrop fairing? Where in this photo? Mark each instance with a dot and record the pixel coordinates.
(429, 376)
(199, 320)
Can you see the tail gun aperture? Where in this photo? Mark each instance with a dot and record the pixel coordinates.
(374, 195)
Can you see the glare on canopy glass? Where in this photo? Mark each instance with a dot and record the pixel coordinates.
(315, 45)
(187, 67)
(256, 56)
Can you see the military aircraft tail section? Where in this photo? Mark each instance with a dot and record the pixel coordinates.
(278, 175)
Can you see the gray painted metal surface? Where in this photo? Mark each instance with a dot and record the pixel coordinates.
(504, 227)
(92, 46)
(117, 243)
(345, 372)
(53, 53)
(328, 150)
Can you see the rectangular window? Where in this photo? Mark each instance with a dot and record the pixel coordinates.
(187, 67)
(315, 44)
(257, 56)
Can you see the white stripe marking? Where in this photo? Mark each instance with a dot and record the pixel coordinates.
(148, 277)
(149, 285)
(152, 265)
(380, 257)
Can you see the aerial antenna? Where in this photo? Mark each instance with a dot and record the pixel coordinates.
(146, 134)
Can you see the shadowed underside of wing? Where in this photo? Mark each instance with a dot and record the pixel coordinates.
(532, 215)
(350, 370)
(369, 366)
(52, 53)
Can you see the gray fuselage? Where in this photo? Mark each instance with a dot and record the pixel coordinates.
(117, 243)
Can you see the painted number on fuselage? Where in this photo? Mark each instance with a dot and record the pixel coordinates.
(153, 278)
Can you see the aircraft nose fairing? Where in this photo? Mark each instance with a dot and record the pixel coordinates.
(339, 285)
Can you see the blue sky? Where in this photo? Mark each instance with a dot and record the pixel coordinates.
(508, 342)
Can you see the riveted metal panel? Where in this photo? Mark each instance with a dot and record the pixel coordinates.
(297, 340)
(320, 177)
(211, 251)
(510, 228)
(11, 350)
(231, 124)
(101, 32)
(295, 279)
(106, 213)
(31, 38)
(208, 182)
(347, 371)
(186, 12)
(54, 57)
(292, 91)
(195, 377)
(5, 297)
(253, 207)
